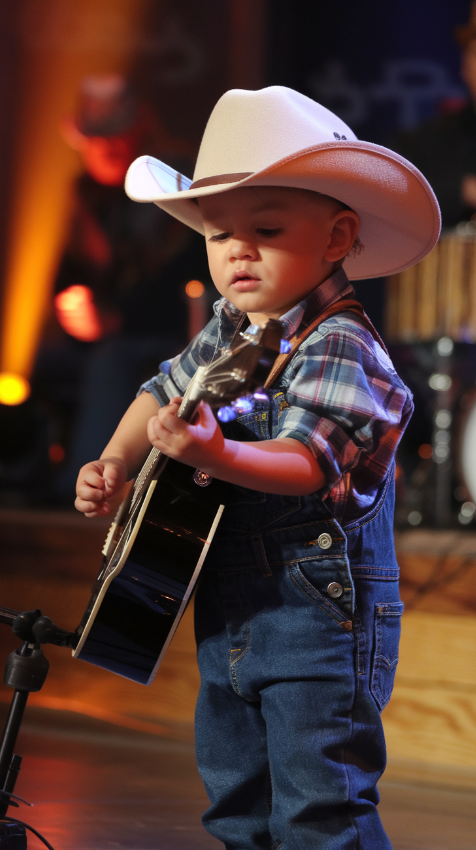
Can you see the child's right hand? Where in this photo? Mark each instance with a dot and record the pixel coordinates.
(99, 486)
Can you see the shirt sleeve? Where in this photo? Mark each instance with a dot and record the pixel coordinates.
(345, 402)
(175, 375)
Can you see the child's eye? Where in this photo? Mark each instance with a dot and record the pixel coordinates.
(219, 237)
(269, 232)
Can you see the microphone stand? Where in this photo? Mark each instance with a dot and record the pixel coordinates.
(25, 671)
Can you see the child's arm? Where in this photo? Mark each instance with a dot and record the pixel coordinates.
(101, 483)
(283, 466)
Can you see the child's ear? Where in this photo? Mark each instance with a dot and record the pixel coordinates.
(345, 228)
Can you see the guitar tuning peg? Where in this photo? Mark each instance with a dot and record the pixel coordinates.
(226, 414)
(285, 346)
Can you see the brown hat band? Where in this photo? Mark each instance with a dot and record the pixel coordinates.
(220, 178)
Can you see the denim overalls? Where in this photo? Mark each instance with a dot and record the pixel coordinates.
(297, 626)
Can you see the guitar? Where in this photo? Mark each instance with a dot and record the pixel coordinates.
(162, 531)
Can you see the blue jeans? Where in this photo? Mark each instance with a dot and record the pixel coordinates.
(290, 743)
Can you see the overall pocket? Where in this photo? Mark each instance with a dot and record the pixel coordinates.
(321, 581)
(387, 624)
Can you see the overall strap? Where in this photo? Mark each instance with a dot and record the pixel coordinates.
(345, 305)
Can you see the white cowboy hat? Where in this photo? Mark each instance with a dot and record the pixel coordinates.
(278, 137)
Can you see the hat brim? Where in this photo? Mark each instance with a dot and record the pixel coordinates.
(399, 215)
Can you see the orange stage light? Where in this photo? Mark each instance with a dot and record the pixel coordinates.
(14, 389)
(425, 451)
(61, 43)
(77, 313)
(194, 289)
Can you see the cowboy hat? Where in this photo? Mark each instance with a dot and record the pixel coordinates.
(278, 137)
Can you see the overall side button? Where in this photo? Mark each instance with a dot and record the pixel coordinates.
(335, 590)
(324, 540)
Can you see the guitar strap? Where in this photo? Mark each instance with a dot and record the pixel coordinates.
(347, 305)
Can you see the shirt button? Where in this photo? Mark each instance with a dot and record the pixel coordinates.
(335, 589)
(324, 541)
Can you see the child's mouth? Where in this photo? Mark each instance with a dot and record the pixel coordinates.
(244, 282)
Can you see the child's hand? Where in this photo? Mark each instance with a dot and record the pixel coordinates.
(199, 444)
(97, 485)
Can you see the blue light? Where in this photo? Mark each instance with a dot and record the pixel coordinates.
(253, 329)
(226, 414)
(285, 346)
(260, 396)
(243, 405)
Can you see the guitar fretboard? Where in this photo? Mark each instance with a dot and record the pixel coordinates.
(144, 477)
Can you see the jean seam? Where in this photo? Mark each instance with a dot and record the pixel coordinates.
(360, 643)
(233, 660)
(345, 762)
(345, 765)
(393, 610)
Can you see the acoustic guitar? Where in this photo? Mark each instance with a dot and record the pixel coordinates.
(161, 534)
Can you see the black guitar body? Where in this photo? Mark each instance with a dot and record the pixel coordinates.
(162, 532)
(137, 616)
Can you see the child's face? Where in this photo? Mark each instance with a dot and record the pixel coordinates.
(268, 247)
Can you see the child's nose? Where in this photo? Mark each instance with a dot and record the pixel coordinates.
(243, 248)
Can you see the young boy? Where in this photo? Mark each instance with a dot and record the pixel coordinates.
(297, 609)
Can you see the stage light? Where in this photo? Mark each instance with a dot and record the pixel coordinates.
(425, 451)
(439, 382)
(77, 313)
(14, 389)
(194, 289)
(443, 418)
(56, 453)
(61, 43)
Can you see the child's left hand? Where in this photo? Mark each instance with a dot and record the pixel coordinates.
(199, 444)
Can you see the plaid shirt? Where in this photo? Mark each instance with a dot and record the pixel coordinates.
(342, 396)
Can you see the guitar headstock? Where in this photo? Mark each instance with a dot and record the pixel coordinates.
(241, 369)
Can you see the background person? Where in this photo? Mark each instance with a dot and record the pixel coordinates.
(121, 277)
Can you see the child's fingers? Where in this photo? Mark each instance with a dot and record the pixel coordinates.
(90, 494)
(166, 421)
(206, 416)
(97, 482)
(90, 509)
(114, 477)
(92, 479)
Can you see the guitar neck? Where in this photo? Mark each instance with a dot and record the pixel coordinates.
(153, 466)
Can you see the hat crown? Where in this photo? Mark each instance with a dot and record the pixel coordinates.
(249, 130)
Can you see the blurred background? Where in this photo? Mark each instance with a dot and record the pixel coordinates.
(97, 290)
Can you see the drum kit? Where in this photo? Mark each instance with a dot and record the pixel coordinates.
(431, 310)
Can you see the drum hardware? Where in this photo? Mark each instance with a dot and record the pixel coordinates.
(465, 441)
(441, 382)
(436, 297)
(435, 302)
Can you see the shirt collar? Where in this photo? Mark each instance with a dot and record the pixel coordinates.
(326, 293)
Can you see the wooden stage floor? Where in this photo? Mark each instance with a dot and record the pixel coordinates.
(97, 787)
(110, 764)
